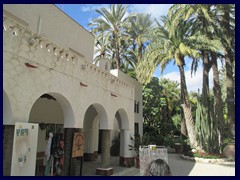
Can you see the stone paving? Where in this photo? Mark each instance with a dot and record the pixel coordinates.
(179, 167)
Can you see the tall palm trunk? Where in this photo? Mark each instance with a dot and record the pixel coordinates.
(187, 108)
(183, 127)
(218, 106)
(117, 59)
(205, 85)
(230, 93)
(140, 47)
(229, 66)
(117, 56)
(168, 115)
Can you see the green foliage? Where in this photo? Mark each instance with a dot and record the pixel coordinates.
(161, 101)
(115, 148)
(208, 155)
(227, 141)
(153, 135)
(172, 141)
(138, 141)
(205, 128)
(176, 119)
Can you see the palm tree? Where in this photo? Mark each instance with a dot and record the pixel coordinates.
(112, 23)
(218, 105)
(170, 42)
(102, 48)
(170, 93)
(227, 24)
(140, 26)
(204, 23)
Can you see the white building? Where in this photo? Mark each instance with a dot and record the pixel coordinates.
(49, 79)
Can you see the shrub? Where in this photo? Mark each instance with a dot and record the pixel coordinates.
(205, 155)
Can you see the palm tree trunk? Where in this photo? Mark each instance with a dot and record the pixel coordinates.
(117, 58)
(218, 106)
(229, 66)
(187, 109)
(205, 85)
(183, 127)
(230, 93)
(139, 53)
(116, 48)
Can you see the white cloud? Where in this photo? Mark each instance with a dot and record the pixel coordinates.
(156, 10)
(194, 82)
(93, 7)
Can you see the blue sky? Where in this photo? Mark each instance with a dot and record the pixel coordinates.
(83, 13)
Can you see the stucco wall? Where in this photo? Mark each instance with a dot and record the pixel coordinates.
(50, 22)
(35, 62)
(137, 96)
(60, 78)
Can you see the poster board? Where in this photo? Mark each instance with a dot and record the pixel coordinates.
(24, 149)
(78, 145)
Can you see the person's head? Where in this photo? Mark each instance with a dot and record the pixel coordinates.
(158, 167)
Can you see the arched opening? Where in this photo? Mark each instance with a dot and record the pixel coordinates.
(121, 144)
(95, 120)
(52, 111)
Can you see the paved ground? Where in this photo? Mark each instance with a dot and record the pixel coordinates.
(179, 167)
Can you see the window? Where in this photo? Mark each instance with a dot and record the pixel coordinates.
(136, 106)
(136, 129)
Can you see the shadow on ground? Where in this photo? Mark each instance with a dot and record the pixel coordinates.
(178, 166)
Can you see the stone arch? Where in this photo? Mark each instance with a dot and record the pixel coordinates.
(122, 118)
(93, 111)
(7, 110)
(64, 108)
(123, 122)
(54, 113)
(95, 118)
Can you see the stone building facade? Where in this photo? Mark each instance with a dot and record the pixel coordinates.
(49, 79)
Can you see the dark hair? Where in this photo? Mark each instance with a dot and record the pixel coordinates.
(158, 167)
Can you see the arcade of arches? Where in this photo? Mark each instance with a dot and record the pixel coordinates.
(41, 86)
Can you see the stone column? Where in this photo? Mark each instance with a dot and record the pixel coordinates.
(91, 144)
(105, 159)
(8, 135)
(105, 168)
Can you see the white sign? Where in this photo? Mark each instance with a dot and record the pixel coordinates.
(24, 149)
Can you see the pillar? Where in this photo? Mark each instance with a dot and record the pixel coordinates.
(126, 159)
(105, 159)
(105, 168)
(91, 144)
(8, 135)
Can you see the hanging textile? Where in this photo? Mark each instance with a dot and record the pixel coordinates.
(48, 147)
